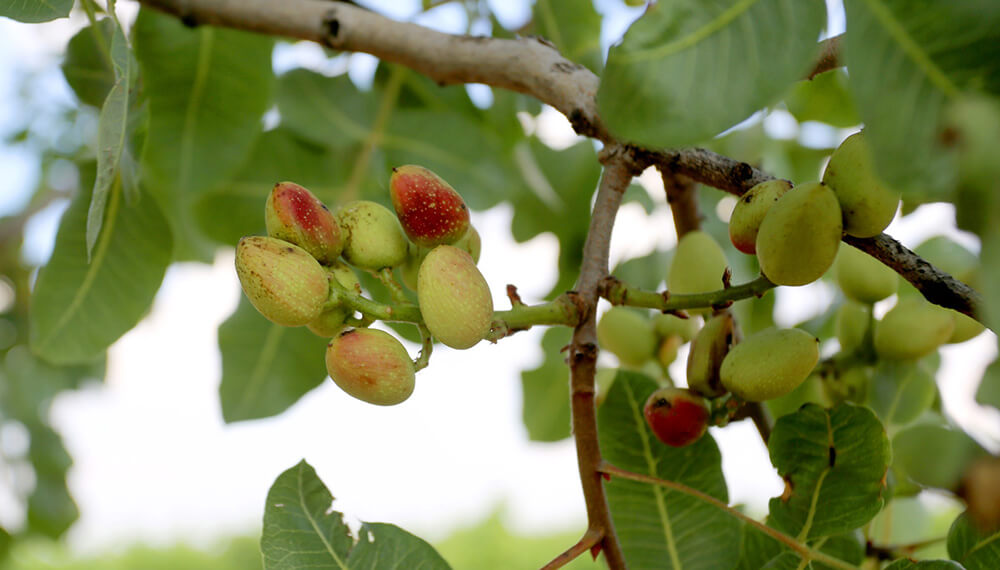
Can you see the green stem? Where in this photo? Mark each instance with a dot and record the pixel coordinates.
(425, 350)
(560, 311)
(395, 290)
(619, 293)
(803, 550)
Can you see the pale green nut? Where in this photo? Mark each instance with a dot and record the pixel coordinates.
(850, 324)
(667, 325)
(371, 365)
(282, 281)
(331, 321)
(912, 329)
(744, 223)
(455, 300)
(867, 204)
(708, 349)
(769, 364)
(697, 266)
(862, 277)
(800, 235)
(628, 335)
(374, 236)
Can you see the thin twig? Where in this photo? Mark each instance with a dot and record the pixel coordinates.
(683, 200)
(829, 56)
(588, 541)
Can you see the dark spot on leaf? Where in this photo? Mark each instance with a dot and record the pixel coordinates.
(833, 456)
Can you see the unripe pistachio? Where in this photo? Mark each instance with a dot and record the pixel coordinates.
(862, 277)
(374, 238)
(912, 329)
(469, 242)
(708, 349)
(769, 364)
(331, 321)
(295, 215)
(697, 266)
(851, 323)
(799, 236)
(628, 335)
(667, 325)
(454, 298)
(966, 328)
(744, 223)
(666, 353)
(676, 416)
(282, 281)
(429, 209)
(370, 365)
(867, 204)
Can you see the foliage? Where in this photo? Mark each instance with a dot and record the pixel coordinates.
(190, 125)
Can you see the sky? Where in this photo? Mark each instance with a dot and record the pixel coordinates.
(154, 462)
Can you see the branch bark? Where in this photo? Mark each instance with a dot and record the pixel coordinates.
(829, 56)
(619, 168)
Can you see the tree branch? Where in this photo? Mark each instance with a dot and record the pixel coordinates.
(619, 168)
(683, 201)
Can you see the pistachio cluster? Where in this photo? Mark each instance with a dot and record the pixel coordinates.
(303, 274)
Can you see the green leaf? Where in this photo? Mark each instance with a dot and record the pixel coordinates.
(647, 272)
(80, 308)
(330, 111)
(35, 11)
(265, 367)
(51, 508)
(658, 527)
(384, 546)
(951, 449)
(788, 561)
(756, 549)
(823, 98)
(207, 90)
(901, 391)
(976, 550)
(574, 26)
(302, 531)
(906, 564)
(546, 390)
(904, 65)
(111, 132)
(690, 69)
(87, 67)
(236, 208)
(834, 463)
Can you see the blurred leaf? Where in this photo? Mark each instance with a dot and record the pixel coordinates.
(647, 272)
(265, 367)
(51, 509)
(973, 122)
(301, 530)
(417, 91)
(951, 449)
(824, 98)
(87, 66)
(561, 184)
(111, 132)
(976, 550)
(834, 463)
(35, 11)
(236, 208)
(327, 110)
(904, 64)
(502, 115)
(207, 89)
(849, 547)
(636, 193)
(670, 82)
(574, 26)
(788, 561)
(901, 391)
(78, 308)
(546, 390)
(659, 527)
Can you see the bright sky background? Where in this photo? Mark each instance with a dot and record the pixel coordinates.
(153, 460)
